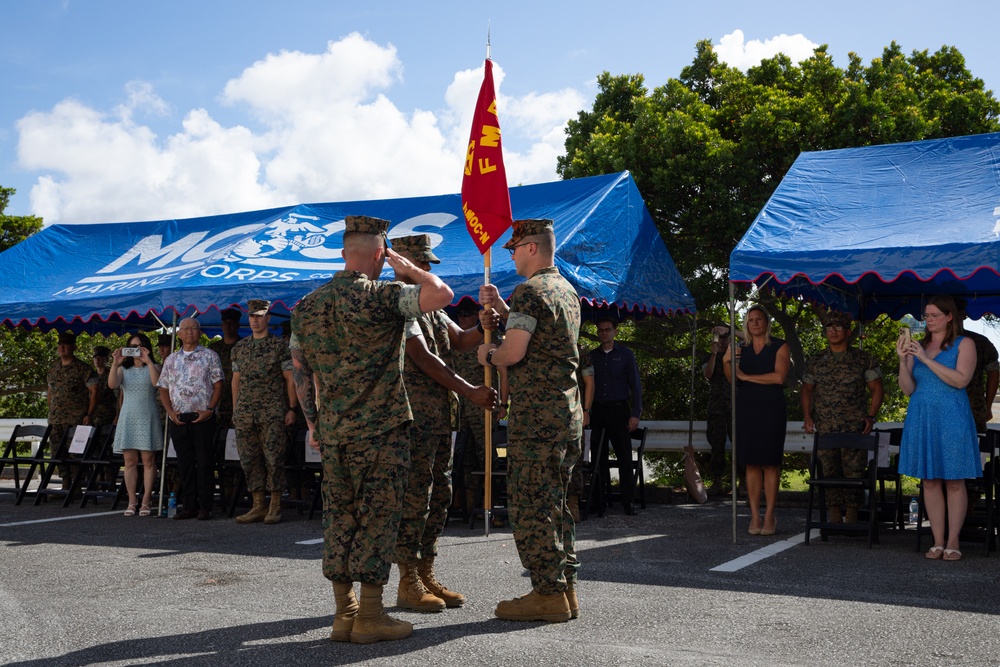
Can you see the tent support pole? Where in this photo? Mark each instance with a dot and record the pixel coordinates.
(732, 396)
(166, 421)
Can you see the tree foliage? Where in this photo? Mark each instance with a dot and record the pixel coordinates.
(708, 148)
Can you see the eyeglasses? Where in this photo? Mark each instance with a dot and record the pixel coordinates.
(513, 248)
(834, 327)
(933, 316)
(188, 329)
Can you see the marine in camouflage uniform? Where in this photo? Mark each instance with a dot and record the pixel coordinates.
(835, 399)
(718, 414)
(230, 323)
(106, 407)
(472, 418)
(429, 381)
(545, 423)
(264, 397)
(585, 378)
(72, 395)
(347, 336)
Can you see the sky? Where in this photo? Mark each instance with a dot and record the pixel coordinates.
(124, 111)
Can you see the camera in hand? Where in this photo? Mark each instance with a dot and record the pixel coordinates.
(131, 352)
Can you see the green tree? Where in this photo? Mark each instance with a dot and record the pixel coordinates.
(708, 148)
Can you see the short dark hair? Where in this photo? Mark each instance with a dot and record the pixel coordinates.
(613, 321)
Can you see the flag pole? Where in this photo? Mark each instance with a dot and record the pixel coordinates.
(488, 381)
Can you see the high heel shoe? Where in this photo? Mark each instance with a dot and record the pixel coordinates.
(130, 511)
(772, 531)
(145, 510)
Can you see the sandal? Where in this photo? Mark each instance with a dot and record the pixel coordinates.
(130, 511)
(144, 510)
(952, 554)
(935, 553)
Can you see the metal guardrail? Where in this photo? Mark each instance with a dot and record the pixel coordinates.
(673, 436)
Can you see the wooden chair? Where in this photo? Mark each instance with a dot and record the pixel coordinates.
(22, 437)
(983, 521)
(95, 466)
(594, 490)
(819, 483)
(62, 456)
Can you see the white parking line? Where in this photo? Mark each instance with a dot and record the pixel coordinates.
(58, 518)
(318, 540)
(763, 552)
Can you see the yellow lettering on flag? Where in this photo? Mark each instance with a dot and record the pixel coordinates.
(493, 107)
(485, 167)
(469, 158)
(490, 137)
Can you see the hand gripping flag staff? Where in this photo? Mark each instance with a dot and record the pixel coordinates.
(486, 205)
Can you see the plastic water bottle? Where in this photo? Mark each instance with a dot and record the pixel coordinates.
(172, 506)
(914, 512)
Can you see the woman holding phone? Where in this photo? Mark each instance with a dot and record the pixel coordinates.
(940, 445)
(140, 430)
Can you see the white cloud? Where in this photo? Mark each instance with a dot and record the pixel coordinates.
(734, 51)
(321, 127)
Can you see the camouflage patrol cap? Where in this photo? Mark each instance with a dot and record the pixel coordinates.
(67, 338)
(231, 315)
(258, 306)
(524, 228)
(364, 224)
(839, 318)
(416, 248)
(467, 307)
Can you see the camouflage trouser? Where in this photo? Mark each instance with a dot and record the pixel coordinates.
(55, 439)
(427, 497)
(718, 425)
(262, 450)
(363, 484)
(537, 479)
(843, 463)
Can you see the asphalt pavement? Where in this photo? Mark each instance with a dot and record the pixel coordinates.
(666, 587)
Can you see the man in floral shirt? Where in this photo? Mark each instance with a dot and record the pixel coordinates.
(190, 389)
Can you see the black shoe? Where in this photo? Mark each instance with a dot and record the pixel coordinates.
(186, 514)
(204, 515)
(629, 510)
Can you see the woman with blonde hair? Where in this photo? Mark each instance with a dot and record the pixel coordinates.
(762, 363)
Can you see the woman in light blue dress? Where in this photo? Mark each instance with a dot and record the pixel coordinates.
(940, 444)
(139, 430)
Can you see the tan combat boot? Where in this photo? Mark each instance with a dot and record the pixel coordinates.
(372, 624)
(257, 512)
(412, 593)
(535, 606)
(425, 569)
(833, 514)
(274, 511)
(572, 601)
(347, 611)
(851, 514)
(574, 507)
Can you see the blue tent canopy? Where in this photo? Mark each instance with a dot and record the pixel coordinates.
(101, 277)
(878, 229)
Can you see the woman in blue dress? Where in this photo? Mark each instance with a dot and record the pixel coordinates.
(939, 445)
(139, 430)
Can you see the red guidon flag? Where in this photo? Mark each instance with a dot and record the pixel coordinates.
(485, 198)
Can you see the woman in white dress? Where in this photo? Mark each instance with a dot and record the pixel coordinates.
(140, 430)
